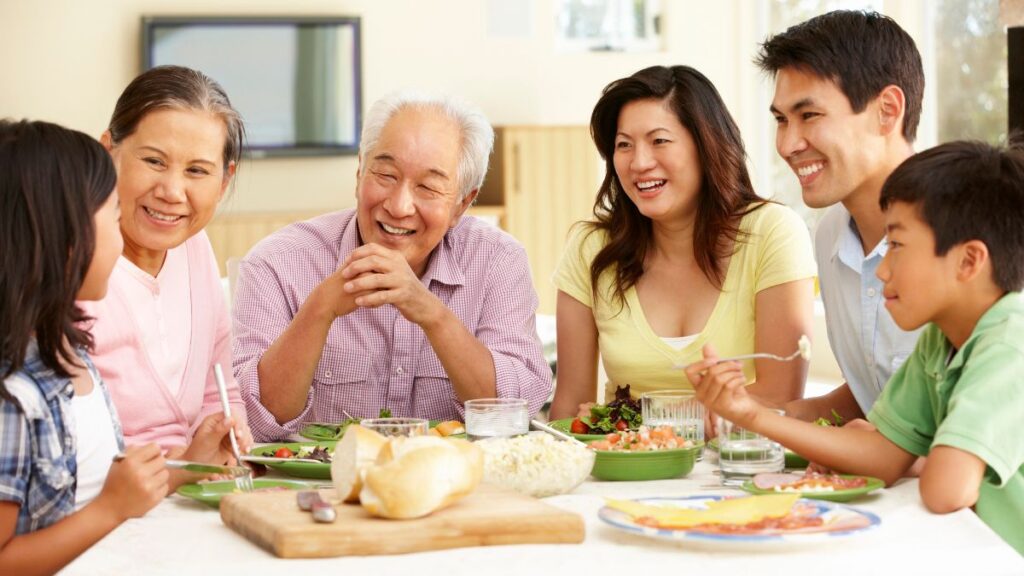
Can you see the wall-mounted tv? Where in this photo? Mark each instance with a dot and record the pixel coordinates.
(296, 81)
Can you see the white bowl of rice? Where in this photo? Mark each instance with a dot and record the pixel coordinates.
(536, 464)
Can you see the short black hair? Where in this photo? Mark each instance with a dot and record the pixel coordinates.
(52, 182)
(861, 51)
(968, 190)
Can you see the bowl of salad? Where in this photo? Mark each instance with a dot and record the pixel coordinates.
(622, 413)
(644, 454)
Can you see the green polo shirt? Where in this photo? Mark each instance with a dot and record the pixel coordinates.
(974, 402)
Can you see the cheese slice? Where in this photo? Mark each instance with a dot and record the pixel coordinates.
(726, 511)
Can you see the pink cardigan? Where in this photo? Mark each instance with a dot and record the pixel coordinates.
(146, 407)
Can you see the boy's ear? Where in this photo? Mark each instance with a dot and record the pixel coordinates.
(974, 260)
(892, 105)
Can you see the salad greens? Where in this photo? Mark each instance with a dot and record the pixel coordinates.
(837, 420)
(604, 419)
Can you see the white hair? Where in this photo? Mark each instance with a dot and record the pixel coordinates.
(477, 134)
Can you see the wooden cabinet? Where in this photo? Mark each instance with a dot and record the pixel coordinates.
(541, 181)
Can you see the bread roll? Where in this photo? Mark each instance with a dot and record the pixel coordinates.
(356, 450)
(415, 476)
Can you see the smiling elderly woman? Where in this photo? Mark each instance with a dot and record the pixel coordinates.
(401, 303)
(175, 141)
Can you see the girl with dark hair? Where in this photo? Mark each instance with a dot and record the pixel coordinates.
(176, 142)
(681, 253)
(59, 239)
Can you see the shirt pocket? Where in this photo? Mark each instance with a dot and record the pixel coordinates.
(341, 366)
(54, 483)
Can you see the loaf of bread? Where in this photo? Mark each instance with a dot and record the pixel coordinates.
(416, 476)
(448, 428)
(356, 450)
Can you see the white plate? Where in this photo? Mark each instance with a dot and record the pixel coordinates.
(840, 521)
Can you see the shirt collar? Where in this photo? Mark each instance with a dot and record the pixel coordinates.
(49, 383)
(1009, 304)
(441, 267)
(848, 245)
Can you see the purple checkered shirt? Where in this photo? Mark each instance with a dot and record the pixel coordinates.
(375, 358)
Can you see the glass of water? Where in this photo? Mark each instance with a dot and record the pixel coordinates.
(676, 408)
(496, 418)
(397, 426)
(743, 453)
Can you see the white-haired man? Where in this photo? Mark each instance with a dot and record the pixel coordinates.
(401, 303)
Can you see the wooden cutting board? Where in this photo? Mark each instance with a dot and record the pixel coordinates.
(489, 516)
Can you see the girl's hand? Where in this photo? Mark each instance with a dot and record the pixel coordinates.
(721, 387)
(135, 484)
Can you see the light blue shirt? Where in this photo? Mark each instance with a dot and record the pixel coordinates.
(867, 344)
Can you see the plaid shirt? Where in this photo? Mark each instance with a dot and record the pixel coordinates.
(375, 358)
(37, 445)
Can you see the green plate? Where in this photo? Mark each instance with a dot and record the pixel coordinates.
(837, 496)
(793, 460)
(565, 424)
(317, 470)
(336, 431)
(653, 465)
(210, 493)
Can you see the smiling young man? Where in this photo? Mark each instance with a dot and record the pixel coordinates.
(848, 90)
(402, 303)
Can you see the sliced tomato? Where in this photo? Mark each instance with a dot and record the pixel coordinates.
(283, 452)
(578, 427)
(621, 425)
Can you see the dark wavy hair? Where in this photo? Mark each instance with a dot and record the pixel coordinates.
(725, 195)
(52, 182)
(862, 52)
(968, 190)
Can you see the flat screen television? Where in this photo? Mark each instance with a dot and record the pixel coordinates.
(296, 81)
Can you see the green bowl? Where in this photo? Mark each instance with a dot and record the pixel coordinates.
(322, 431)
(565, 425)
(653, 465)
(210, 493)
(835, 496)
(315, 470)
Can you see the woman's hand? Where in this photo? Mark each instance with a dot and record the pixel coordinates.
(721, 387)
(211, 443)
(584, 411)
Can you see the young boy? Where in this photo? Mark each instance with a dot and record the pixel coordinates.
(955, 220)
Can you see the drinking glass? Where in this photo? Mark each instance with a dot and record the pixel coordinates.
(397, 426)
(743, 453)
(678, 409)
(496, 418)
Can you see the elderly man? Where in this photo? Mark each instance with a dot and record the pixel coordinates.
(401, 303)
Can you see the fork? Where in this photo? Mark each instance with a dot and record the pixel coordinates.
(803, 349)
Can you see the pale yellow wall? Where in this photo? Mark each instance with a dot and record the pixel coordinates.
(67, 60)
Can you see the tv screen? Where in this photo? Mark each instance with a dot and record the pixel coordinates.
(296, 81)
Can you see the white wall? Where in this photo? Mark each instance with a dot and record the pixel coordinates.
(66, 61)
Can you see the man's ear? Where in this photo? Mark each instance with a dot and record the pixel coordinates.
(466, 202)
(974, 260)
(359, 173)
(106, 140)
(892, 107)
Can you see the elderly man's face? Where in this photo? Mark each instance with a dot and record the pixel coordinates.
(407, 185)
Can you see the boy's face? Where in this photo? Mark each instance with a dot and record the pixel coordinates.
(833, 151)
(919, 286)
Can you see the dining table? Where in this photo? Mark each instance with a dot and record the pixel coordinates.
(182, 536)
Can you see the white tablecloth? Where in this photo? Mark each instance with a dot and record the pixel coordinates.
(183, 537)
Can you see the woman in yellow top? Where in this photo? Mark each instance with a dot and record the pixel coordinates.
(681, 252)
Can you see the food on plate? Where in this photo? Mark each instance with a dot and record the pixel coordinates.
(448, 428)
(306, 453)
(622, 413)
(643, 440)
(536, 464)
(415, 476)
(322, 431)
(356, 450)
(745, 515)
(808, 482)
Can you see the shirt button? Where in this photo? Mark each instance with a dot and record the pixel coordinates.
(399, 370)
(871, 292)
(327, 374)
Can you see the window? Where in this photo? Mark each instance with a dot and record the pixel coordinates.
(609, 25)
